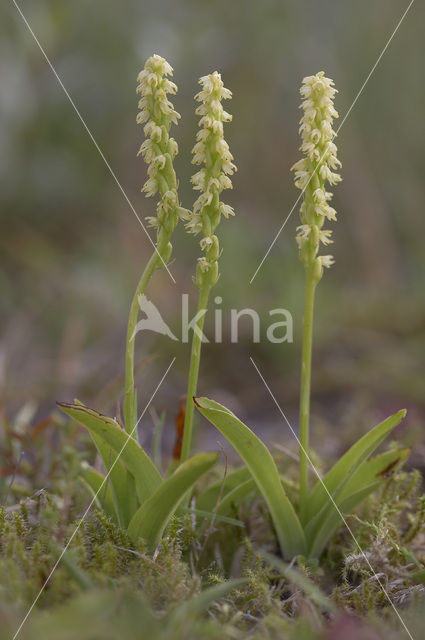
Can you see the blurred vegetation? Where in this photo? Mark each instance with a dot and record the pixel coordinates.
(72, 249)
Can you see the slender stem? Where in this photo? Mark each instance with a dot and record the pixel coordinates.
(130, 404)
(305, 384)
(195, 357)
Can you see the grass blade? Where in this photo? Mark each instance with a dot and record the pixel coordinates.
(76, 573)
(302, 582)
(203, 600)
(263, 469)
(419, 576)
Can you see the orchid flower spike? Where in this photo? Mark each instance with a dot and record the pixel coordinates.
(157, 114)
(212, 152)
(316, 169)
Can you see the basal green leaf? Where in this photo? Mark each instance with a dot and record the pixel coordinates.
(347, 464)
(146, 475)
(367, 479)
(152, 517)
(376, 469)
(95, 483)
(119, 479)
(327, 528)
(263, 469)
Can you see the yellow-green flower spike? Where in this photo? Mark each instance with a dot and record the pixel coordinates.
(157, 114)
(212, 151)
(316, 169)
(159, 149)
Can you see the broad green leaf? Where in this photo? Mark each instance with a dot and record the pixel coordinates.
(347, 464)
(208, 499)
(146, 475)
(329, 526)
(375, 469)
(263, 469)
(152, 517)
(118, 477)
(102, 490)
(368, 477)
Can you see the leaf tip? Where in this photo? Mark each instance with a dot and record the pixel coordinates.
(63, 405)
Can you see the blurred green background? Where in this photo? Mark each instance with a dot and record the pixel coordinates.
(72, 249)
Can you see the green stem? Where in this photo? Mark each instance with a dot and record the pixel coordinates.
(130, 403)
(305, 384)
(195, 357)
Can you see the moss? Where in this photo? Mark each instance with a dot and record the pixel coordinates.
(390, 531)
(128, 588)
